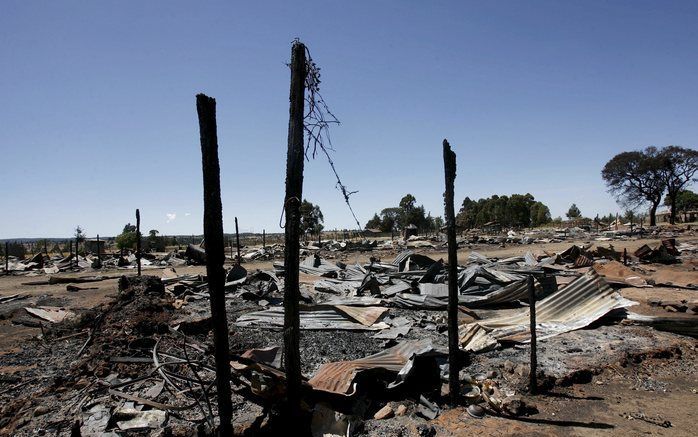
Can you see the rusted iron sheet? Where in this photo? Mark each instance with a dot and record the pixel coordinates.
(338, 377)
(367, 316)
(616, 273)
(583, 261)
(580, 303)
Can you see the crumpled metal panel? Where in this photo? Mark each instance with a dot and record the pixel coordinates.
(580, 303)
(338, 377)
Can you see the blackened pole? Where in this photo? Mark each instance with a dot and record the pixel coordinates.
(99, 252)
(533, 383)
(138, 240)
(215, 255)
(7, 258)
(453, 349)
(292, 201)
(237, 238)
(264, 238)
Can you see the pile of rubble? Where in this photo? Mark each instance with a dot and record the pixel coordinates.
(373, 344)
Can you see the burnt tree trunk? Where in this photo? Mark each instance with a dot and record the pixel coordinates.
(533, 382)
(237, 238)
(453, 349)
(138, 240)
(653, 211)
(292, 202)
(672, 216)
(215, 256)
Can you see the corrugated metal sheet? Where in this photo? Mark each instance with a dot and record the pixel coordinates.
(337, 286)
(318, 266)
(676, 324)
(577, 305)
(338, 377)
(318, 318)
(365, 315)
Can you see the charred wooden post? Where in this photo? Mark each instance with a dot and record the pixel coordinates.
(99, 252)
(138, 240)
(449, 213)
(46, 247)
(77, 243)
(264, 238)
(533, 381)
(292, 202)
(237, 238)
(7, 258)
(72, 258)
(625, 256)
(230, 242)
(215, 255)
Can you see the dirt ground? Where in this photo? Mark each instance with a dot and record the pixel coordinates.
(636, 389)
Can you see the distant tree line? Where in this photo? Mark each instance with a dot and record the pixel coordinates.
(153, 242)
(642, 177)
(515, 211)
(406, 213)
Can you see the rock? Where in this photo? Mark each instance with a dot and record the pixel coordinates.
(401, 410)
(671, 309)
(384, 413)
(40, 410)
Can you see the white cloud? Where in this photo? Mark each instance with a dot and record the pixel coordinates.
(187, 214)
(171, 216)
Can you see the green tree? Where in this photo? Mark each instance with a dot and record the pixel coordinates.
(389, 219)
(407, 202)
(540, 214)
(573, 212)
(127, 238)
(374, 223)
(517, 210)
(679, 165)
(154, 241)
(636, 178)
(311, 218)
(438, 223)
(686, 200)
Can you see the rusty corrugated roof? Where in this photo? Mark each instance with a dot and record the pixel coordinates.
(338, 377)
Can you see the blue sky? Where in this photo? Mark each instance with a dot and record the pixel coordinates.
(98, 108)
